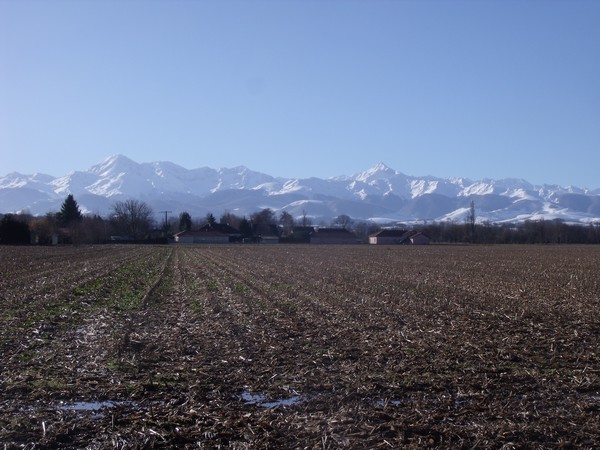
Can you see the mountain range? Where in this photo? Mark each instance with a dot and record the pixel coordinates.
(380, 193)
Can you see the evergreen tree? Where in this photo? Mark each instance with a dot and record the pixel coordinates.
(69, 211)
(245, 228)
(210, 219)
(185, 221)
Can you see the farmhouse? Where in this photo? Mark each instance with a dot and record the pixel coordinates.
(391, 236)
(217, 233)
(332, 236)
(201, 237)
(388, 236)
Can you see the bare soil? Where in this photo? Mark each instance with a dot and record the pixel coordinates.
(299, 347)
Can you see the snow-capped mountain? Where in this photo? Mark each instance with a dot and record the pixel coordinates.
(379, 193)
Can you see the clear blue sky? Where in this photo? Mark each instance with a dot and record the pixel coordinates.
(305, 88)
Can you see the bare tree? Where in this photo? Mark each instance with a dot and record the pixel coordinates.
(263, 222)
(132, 218)
(306, 221)
(44, 228)
(343, 221)
(230, 219)
(286, 221)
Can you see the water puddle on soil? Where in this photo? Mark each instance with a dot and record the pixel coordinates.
(261, 400)
(90, 406)
(95, 409)
(387, 402)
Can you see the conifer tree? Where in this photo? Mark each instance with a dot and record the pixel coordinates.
(210, 219)
(185, 221)
(245, 228)
(69, 211)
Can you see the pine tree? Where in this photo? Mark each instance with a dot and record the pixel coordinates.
(211, 220)
(245, 228)
(185, 221)
(69, 211)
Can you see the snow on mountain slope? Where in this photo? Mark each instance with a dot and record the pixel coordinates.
(379, 192)
(378, 172)
(37, 181)
(241, 178)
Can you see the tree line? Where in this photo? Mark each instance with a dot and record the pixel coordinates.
(133, 221)
(529, 232)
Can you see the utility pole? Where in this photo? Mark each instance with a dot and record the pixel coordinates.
(166, 221)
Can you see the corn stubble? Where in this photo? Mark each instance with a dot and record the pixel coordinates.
(300, 347)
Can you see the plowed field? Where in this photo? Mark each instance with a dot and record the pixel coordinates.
(299, 347)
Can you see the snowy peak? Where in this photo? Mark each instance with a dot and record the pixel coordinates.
(113, 165)
(241, 178)
(377, 172)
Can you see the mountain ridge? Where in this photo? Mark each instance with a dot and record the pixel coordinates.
(379, 193)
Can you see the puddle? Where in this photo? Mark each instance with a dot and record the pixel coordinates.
(253, 399)
(90, 406)
(283, 402)
(460, 401)
(388, 402)
(93, 409)
(261, 400)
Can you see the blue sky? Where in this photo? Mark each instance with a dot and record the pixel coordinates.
(478, 89)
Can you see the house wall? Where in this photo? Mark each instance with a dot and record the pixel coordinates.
(269, 240)
(419, 240)
(202, 239)
(332, 240)
(380, 240)
(211, 239)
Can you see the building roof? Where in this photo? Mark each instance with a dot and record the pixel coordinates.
(303, 229)
(201, 233)
(333, 232)
(399, 234)
(392, 232)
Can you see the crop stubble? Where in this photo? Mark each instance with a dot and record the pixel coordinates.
(299, 346)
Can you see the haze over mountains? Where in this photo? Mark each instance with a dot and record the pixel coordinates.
(380, 193)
